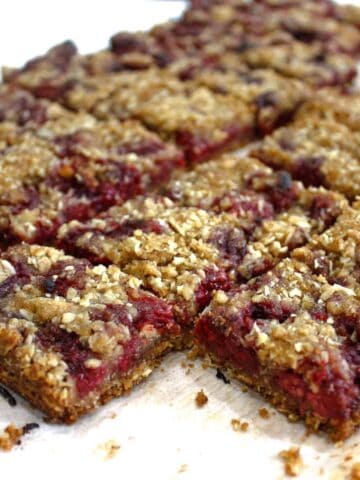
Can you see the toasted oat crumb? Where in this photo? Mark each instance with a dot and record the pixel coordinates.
(239, 426)
(111, 448)
(264, 413)
(355, 471)
(292, 461)
(201, 399)
(183, 468)
(10, 437)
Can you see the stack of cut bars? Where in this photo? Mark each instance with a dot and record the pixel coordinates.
(127, 232)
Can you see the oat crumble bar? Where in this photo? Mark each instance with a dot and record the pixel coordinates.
(184, 249)
(319, 152)
(73, 336)
(278, 334)
(73, 167)
(199, 121)
(273, 98)
(261, 269)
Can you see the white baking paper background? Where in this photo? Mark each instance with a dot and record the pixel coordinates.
(156, 432)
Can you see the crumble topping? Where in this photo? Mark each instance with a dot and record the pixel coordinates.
(239, 426)
(292, 461)
(201, 399)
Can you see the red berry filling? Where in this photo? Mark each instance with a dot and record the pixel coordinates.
(22, 108)
(231, 242)
(325, 392)
(51, 337)
(64, 275)
(245, 204)
(324, 208)
(197, 148)
(308, 170)
(155, 312)
(227, 346)
(214, 280)
(279, 189)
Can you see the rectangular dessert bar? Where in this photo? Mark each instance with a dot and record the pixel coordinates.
(199, 121)
(302, 41)
(74, 166)
(272, 97)
(20, 107)
(310, 63)
(175, 251)
(334, 26)
(283, 334)
(334, 255)
(275, 212)
(318, 152)
(330, 104)
(185, 245)
(73, 336)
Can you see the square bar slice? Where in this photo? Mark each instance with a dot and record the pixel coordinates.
(185, 249)
(199, 121)
(335, 255)
(318, 152)
(278, 335)
(310, 63)
(50, 75)
(175, 251)
(274, 211)
(329, 104)
(22, 108)
(273, 98)
(74, 167)
(73, 336)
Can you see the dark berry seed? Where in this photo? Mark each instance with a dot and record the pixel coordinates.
(266, 99)
(284, 180)
(49, 285)
(30, 426)
(221, 376)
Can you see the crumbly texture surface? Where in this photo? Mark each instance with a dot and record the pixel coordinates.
(183, 251)
(72, 335)
(10, 437)
(74, 167)
(199, 121)
(282, 334)
(115, 157)
(292, 461)
(319, 152)
(330, 105)
(272, 97)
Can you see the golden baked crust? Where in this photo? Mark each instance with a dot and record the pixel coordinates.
(318, 152)
(73, 336)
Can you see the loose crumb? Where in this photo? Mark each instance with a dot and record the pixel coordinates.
(221, 376)
(264, 413)
(355, 471)
(28, 427)
(10, 437)
(292, 461)
(111, 448)
(201, 399)
(183, 468)
(239, 426)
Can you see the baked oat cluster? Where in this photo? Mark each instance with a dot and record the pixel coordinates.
(128, 228)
